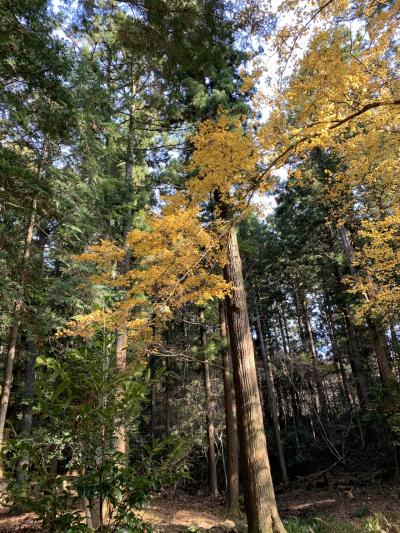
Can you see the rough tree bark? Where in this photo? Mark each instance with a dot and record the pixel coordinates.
(379, 343)
(123, 267)
(261, 509)
(311, 346)
(25, 425)
(212, 463)
(232, 444)
(16, 320)
(26, 420)
(281, 330)
(285, 326)
(356, 364)
(273, 406)
(298, 316)
(337, 357)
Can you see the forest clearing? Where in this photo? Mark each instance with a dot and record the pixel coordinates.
(199, 266)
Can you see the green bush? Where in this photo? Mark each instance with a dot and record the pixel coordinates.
(70, 457)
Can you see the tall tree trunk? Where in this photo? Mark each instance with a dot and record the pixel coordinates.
(356, 365)
(311, 346)
(355, 358)
(299, 321)
(285, 326)
(153, 398)
(123, 267)
(185, 345)
(282, 404)
(261, 508)
(120, 363)
(379, 343)
(337, 358)
(281, 330)
(295, 405)
(212, 463)
(167, 399)
(232, 444)
(27, 404)
(16, 320)
(271, 392)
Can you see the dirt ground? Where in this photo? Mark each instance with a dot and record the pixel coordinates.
(343, 506)
(24, 523)
(174, 513)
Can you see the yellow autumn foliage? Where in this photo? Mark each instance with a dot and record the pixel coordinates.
(226, 158)
(171, 262)
(378, 268)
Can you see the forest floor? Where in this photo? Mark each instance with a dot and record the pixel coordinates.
(175, 513)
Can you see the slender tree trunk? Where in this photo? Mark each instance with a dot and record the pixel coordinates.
(271, 392)
(212, 463)
(355, 358)
(299, 322)
(120, 363)
(16, 320)
(185, 344)
(122, 331)
(311, 345)
(26, 420)
(395, 346)
(356, 365)
(153, 399)
(282, 405)
(285, 326)
(395, 341)
(261, 508)
(379, 343)
(232, 444)
(337, 357)
(25, 426)
(295, 405)
(167, 399)
(281, 330)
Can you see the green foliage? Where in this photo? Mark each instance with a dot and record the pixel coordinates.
(82, 403)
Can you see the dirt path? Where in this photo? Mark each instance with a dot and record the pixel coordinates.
(176, 513)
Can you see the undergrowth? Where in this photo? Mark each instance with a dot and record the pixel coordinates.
(377, 523)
